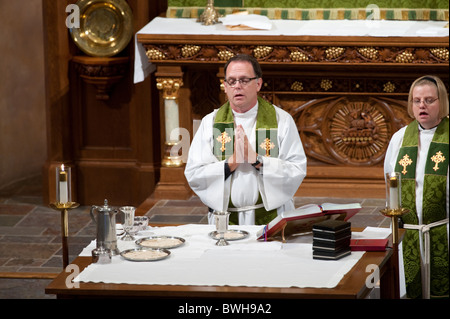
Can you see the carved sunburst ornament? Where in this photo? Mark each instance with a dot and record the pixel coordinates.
(358, 132)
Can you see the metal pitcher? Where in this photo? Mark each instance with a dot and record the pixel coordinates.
(106, 227)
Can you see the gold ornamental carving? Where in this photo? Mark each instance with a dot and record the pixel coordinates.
(298, 56)
(334, 52)
(326, 84)
(440, 53)
(405, 57)
(389, 87)
(297, 86)
(368, 52)
(169, 87)
(285, 54)
(225, 55)
(190, 50)
(154, 54)
(262, 51)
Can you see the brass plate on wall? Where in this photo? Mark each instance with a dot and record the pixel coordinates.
(106, 27)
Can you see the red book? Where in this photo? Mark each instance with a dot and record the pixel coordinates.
(303, 218)
(367, 244)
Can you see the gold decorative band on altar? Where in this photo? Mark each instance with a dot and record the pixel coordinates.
(320, 13)
(302, 54)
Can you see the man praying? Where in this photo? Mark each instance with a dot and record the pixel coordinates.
(246, 157)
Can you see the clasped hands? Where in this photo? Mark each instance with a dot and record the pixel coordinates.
(243, 151)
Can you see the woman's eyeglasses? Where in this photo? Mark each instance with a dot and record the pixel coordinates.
(428, 101)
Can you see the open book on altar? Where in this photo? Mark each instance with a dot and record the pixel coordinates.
(303, 218)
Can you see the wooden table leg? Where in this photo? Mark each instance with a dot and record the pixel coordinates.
(389, 282)
(395, 272)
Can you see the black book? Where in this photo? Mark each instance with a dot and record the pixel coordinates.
(329, 244)
(331, 255)
(331, 236)
(332, 229)
(332, 226)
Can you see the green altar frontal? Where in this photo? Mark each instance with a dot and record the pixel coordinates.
(318, 9)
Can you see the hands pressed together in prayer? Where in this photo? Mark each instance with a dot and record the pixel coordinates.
(243, 151)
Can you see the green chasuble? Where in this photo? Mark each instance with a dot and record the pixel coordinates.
(266, 143)
(434, 208)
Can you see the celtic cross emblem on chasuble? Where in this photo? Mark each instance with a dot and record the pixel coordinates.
(267, 145)
(223, 138)
(438, 158)
(405, 161)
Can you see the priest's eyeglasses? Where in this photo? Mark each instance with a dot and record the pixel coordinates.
(244, 81)
(427, 101)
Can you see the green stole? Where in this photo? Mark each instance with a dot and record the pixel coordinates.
(266, 141)
(434, 208)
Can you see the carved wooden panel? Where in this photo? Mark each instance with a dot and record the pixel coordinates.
(303, 53)
(345, 130)
(204, 89)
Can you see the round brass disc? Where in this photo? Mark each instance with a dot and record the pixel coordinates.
(106, 27)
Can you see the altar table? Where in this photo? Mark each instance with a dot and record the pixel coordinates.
(292, 29)
(351, 285)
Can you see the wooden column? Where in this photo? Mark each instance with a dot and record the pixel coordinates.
(172, 183)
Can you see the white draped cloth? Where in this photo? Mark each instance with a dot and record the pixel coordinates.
(247, 262)
(425, 138)
(277, 180)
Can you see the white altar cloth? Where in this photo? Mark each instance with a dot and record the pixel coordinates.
(199, 261)
(373, 28)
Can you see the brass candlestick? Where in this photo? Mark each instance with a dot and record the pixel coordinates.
(394, 210)
(64, 208)
(210, 15)
(394, 214)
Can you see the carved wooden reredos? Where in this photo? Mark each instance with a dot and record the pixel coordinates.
(346, 100)
(347, 95)
(342, 118)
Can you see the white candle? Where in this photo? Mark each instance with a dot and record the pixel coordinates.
(63, 187)
(393, 192)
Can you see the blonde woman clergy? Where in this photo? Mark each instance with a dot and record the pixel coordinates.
(246, 157)
(420, 153)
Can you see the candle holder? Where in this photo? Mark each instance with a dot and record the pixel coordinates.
(64, 208)
(394, 214)
(394, 210)
(210, 15)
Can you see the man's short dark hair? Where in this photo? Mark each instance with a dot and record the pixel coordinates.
(247, 58)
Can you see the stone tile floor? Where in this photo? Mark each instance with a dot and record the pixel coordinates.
(30, 242)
